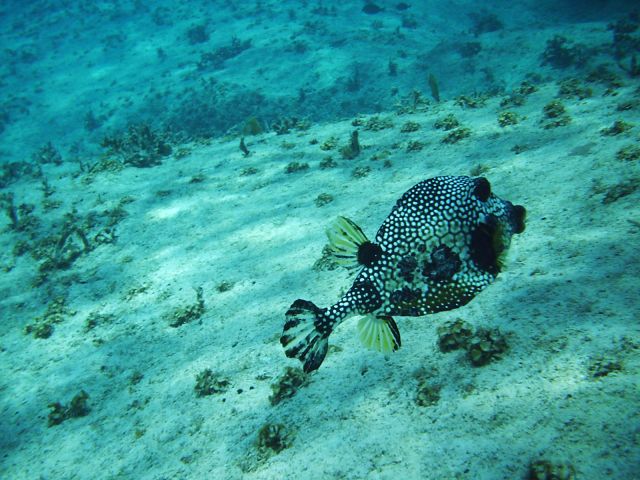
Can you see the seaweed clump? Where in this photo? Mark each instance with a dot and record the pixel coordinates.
(288, 384)
(628, 153)
(556, 114)
(618, 127)
(471, 101)
(454, 136)
(454, 335)
(375, 123)
(413, 146)
(485, 22)
(562, 53)
(323, 199)
(517, 98)
(361, 172)
(546, 470)
(273, 438)
(513, 100)
(21, 216)
(410, 127)
(47, 154)
(619, 190)
(428, 394)
(59, 252)
(601, 367)
(574, 88)
(604, 75)
(197, 34)
(78, 407)
(295, 167)
(140, 146)
(413, 103)
(352, 150)
(247, 171)
(554, 109)
(507, 118)
(327, 162)
(216, 59)
(482, 347)
(485, 346)
(11, 172)
(284, 125)
(329, 144)
(190, 312)
(447, 123)
(526, 88)
(252, 126)
(224, 286)
(95, 319)
(42, 327)
(210, 383)
(72, 243)
(626, 43)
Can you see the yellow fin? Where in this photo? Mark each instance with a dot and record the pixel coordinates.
(379, 333)
(345, 238)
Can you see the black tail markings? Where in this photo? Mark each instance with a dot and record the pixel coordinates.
(303, 337)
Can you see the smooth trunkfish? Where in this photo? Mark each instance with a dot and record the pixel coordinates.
(444, 241)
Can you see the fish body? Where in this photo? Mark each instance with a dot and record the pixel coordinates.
(443, 242)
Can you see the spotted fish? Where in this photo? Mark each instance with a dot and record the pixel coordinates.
(444, 241)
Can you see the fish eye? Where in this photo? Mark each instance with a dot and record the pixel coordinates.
(482, 189)
(486, 245)
(519, 216)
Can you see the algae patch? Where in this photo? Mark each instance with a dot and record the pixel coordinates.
(188, 313)
(210, 383)
(78, 407)
(288, 384)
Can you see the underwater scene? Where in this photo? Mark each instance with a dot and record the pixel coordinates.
(362, 239)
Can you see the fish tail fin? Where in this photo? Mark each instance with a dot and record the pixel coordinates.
(305, 334)
(346, 241)
(379, 333)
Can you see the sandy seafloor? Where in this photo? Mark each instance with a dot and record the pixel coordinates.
(568, 299)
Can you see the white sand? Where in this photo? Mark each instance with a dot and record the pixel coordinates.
(568, 296)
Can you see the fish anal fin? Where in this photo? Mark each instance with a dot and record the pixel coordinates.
(379, 333)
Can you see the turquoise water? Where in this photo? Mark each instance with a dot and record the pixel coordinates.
(168, 173)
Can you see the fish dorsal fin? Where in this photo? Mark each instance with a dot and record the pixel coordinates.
(346, 240)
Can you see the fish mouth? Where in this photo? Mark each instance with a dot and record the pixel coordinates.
(517, 218)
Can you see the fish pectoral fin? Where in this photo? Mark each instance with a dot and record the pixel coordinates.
(345, 238)
(379, 333)
(349, 246)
